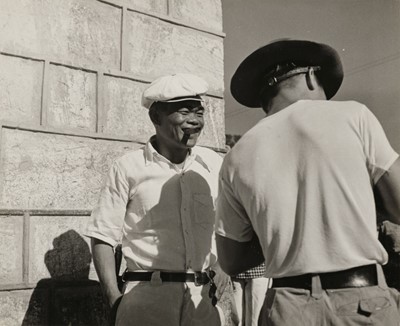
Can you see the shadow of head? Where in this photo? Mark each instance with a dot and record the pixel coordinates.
(70, 257)
(181, 210)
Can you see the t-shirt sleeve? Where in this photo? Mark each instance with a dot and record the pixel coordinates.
(379, 154)
(108, 216)
(231, 218)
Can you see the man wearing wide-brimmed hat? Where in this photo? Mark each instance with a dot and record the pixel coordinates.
(298, 191)
(159, 202)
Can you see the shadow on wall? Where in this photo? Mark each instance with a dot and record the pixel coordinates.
(68, 297)
(70, 259)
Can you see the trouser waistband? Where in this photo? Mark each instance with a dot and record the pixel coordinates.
(361, 276)
(198, 278)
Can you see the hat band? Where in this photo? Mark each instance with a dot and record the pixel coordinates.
(195, 97)
(271, 81)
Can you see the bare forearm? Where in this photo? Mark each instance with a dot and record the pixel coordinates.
(237, 257)
(104, 262)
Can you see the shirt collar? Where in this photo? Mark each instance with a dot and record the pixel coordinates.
(150, 153)
(199, 159)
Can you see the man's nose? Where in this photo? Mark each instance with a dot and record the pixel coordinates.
(194, 119)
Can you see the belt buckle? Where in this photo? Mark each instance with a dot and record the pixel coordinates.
(198, 278)
(123, 275)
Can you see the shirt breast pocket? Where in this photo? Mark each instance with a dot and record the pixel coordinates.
(204, 211)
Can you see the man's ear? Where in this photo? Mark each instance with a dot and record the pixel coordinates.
(154, 116)
(310, 79)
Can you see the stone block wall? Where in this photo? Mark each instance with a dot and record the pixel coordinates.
(71, 77)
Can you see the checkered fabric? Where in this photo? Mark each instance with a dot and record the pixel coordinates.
(254, 272)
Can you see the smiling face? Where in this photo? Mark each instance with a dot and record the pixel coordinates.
(178, 124)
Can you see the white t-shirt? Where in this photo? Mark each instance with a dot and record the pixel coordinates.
(302, 179)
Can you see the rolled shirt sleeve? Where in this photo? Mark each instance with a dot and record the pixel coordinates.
(108, 216)
(379, 154)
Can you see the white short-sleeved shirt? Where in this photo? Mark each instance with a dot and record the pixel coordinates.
(302, 179)
(163, 213)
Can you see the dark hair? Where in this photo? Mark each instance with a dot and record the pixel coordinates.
(154, 110)
(158, 106)
(266, 95)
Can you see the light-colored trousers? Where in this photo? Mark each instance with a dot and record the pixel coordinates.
(167, 304)
(248, 299)
(372, 305)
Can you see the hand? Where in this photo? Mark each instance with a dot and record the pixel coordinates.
(221, 280)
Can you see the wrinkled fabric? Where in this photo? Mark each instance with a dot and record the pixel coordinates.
(163, 214)
(345, 307)
(302, 180)
(168, 303)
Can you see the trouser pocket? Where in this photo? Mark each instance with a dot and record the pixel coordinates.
(365, 306)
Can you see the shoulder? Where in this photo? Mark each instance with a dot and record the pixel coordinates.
(339, 111)
(209, 156)
(355, 111)
(130, 159)
(207, 152)
(347, 106)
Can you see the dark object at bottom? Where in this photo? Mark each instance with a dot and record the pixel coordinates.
(355, 277)
(199, 278)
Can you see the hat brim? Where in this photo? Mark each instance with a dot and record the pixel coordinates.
(189, 98)
(248, 80)
(199, 98)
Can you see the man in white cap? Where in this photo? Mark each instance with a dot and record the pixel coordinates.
(159, 202)
(298, 189)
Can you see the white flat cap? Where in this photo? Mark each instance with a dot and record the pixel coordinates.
(174, 88)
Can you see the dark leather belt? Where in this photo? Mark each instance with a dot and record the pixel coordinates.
(355, 277)
(199, 278)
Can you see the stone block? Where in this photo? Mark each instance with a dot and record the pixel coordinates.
(158, 48)
(151, 6)
(124, 114)
(42, 170)
(205, 13)
(72, 98)
(213, 134)
(26, 307)
(20, 89)
(58, 249)
(11, 237)
(80, 31)
(80, 306)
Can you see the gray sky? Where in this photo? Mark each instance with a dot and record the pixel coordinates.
(366, 33)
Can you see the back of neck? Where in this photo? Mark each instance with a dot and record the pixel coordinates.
(287, 97)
